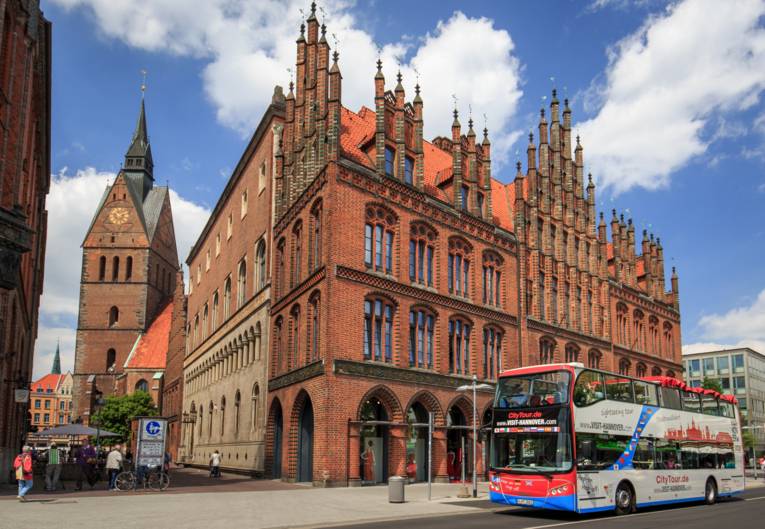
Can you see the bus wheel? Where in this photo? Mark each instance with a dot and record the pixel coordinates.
(710, 492)
(625, 499)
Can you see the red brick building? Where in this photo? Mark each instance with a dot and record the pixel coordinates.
(25, 95)
(129, 281)
(401, 269)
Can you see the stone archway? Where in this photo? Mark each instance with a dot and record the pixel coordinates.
(301, 438)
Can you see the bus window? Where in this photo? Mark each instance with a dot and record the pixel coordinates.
(708, 456)
(689, 454)
(726, 458)
(588, 388)
(645, 393)
(599, 451)
(619, 389)
(726, 409)
(543, 389)
(709, 405)
(643, 457)
(691, 401)
(670, 398)
(667, 455)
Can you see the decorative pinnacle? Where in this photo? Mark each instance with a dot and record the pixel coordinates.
(621, 217)
(379, 65)
(518, 165)
(589, 178)
(143, 82)
(601, 215)
(542, 114)
(323, 30)
(292, 86)
(399, 77)
(417, 89)
(554, 94)
(565, 103)
(629, 221)
(531, 137)
(313, 8)
(652, 237)
(302, 29)
(335, 56)
(578, 143)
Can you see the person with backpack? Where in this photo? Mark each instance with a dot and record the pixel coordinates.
(22, 465)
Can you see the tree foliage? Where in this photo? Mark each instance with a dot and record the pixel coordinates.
(115, 415)
(713, 384)
(748, 438)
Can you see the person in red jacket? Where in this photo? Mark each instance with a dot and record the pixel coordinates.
(22, 465)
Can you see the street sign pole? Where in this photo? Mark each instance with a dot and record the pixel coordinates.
(430, 452)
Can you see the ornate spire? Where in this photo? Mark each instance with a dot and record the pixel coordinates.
(312, 16)
(56, 369)
(399, 86)
(379, 74)
(138, 156)
(456, 122)
(590, 184)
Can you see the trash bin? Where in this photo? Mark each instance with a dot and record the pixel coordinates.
(396, 489)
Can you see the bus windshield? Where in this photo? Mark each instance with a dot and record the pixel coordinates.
(533, 390)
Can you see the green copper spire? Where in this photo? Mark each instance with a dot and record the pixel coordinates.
(56, 370)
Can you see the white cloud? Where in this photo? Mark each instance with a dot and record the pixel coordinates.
(71, 205)
(666, 81)
(250, 44)
(739, 327)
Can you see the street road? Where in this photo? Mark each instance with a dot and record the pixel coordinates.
(742, 512)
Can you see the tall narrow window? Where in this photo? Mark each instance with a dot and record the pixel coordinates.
(390, 157)
(280, 272)
(492, 352)
(459, 266)
(578, 307)
(111, 359)
(421, 248)
(205, 316)
(593, 359)
(255, 399)
(624, 367)
(214, 318)
(641, 370)
(378, 323)
(378, 239)
(260, 265)
(554, 300)
(237, 404)
(491, 278)
(241, 284)
(244, 203)
(421, 338)
(314, 330)
(129, 268)
(297, 253)
(114, 316)
(222, 415)
(408, 170)
(101, 268)
(546, 351)
(542, 315)
(567, 304)
(295, 337)
(590, 314)
(115, 268)
(279, 345)
(464, 190)
(316, 258)
(480, 204)
(227, 298)
(459, 346)
(572, 353)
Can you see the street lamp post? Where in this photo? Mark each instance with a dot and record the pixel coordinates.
(475, 387)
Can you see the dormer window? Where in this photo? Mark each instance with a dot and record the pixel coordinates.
(408, 170)
(389, 161)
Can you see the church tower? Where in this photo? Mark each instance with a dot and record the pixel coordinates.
(129, 266)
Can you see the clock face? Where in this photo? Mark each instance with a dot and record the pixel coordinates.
(118, 215)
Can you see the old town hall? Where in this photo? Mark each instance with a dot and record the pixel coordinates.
(353, 275)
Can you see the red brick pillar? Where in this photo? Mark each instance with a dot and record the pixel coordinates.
(397, 451)
(354, 456)
(440, 467)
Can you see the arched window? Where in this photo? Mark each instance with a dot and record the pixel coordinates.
(541, 297)
(210, 420)
(671, 374)
(655, 371)
(222, 415)
(260, 265)
(294, 359)
(101, 268)
(572, 352)
(255, 402)
(421, 326)
(227, 298)
(421, 253)
(142, 385)
(621, 323)
(241, 285)
(237, 403)
(297, 253)
(205, 314)
(313, 336)
(316, 227)
(114, 316)
(554, 316)
(378, 239)
(196, 330)
(492, 278)
(653, 335)
(214, 319)
(492, 352)
(378, 329)
(669, 344)
(201, 419)
(624, 366)
(593, 359)
(279, 269)
(115, 268)
(111, 358)
(458, 269)
(546, 351)
(129, 268)
(638, 325)
(258, 341)
(641, 370)
(279, 344)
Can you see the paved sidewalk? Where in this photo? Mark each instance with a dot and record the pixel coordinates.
(304, 506)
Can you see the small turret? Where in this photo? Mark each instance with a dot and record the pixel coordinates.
(380, 120)
(459, 198)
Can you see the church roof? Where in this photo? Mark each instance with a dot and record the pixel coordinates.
(49, 381)
(150, 348)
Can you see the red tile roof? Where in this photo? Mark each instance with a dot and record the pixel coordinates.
(48, 381)
(357, 129)
(150, 351)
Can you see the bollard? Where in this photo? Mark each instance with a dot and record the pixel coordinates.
(396, 489)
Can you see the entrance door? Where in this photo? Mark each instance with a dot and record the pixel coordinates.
(456, 444)
(305, 443)
(278, 434)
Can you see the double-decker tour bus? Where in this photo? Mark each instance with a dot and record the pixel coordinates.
(574, 439)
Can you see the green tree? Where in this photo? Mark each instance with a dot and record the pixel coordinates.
(713, 384)
(118, 411)
(748, 438)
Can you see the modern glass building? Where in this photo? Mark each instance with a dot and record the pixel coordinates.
(741, 372)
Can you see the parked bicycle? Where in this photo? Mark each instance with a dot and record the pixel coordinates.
(153, 478)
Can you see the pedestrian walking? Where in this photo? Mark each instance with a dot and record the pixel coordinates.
(22, 465)
(215, 465)
(114, 465)
(86, 461)
(53, 467)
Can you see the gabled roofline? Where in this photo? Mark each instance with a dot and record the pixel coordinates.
(273, 110)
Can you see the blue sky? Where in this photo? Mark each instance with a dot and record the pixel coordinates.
(666, 95)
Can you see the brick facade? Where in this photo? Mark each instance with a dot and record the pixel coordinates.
(25, 93)
(401, 270)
